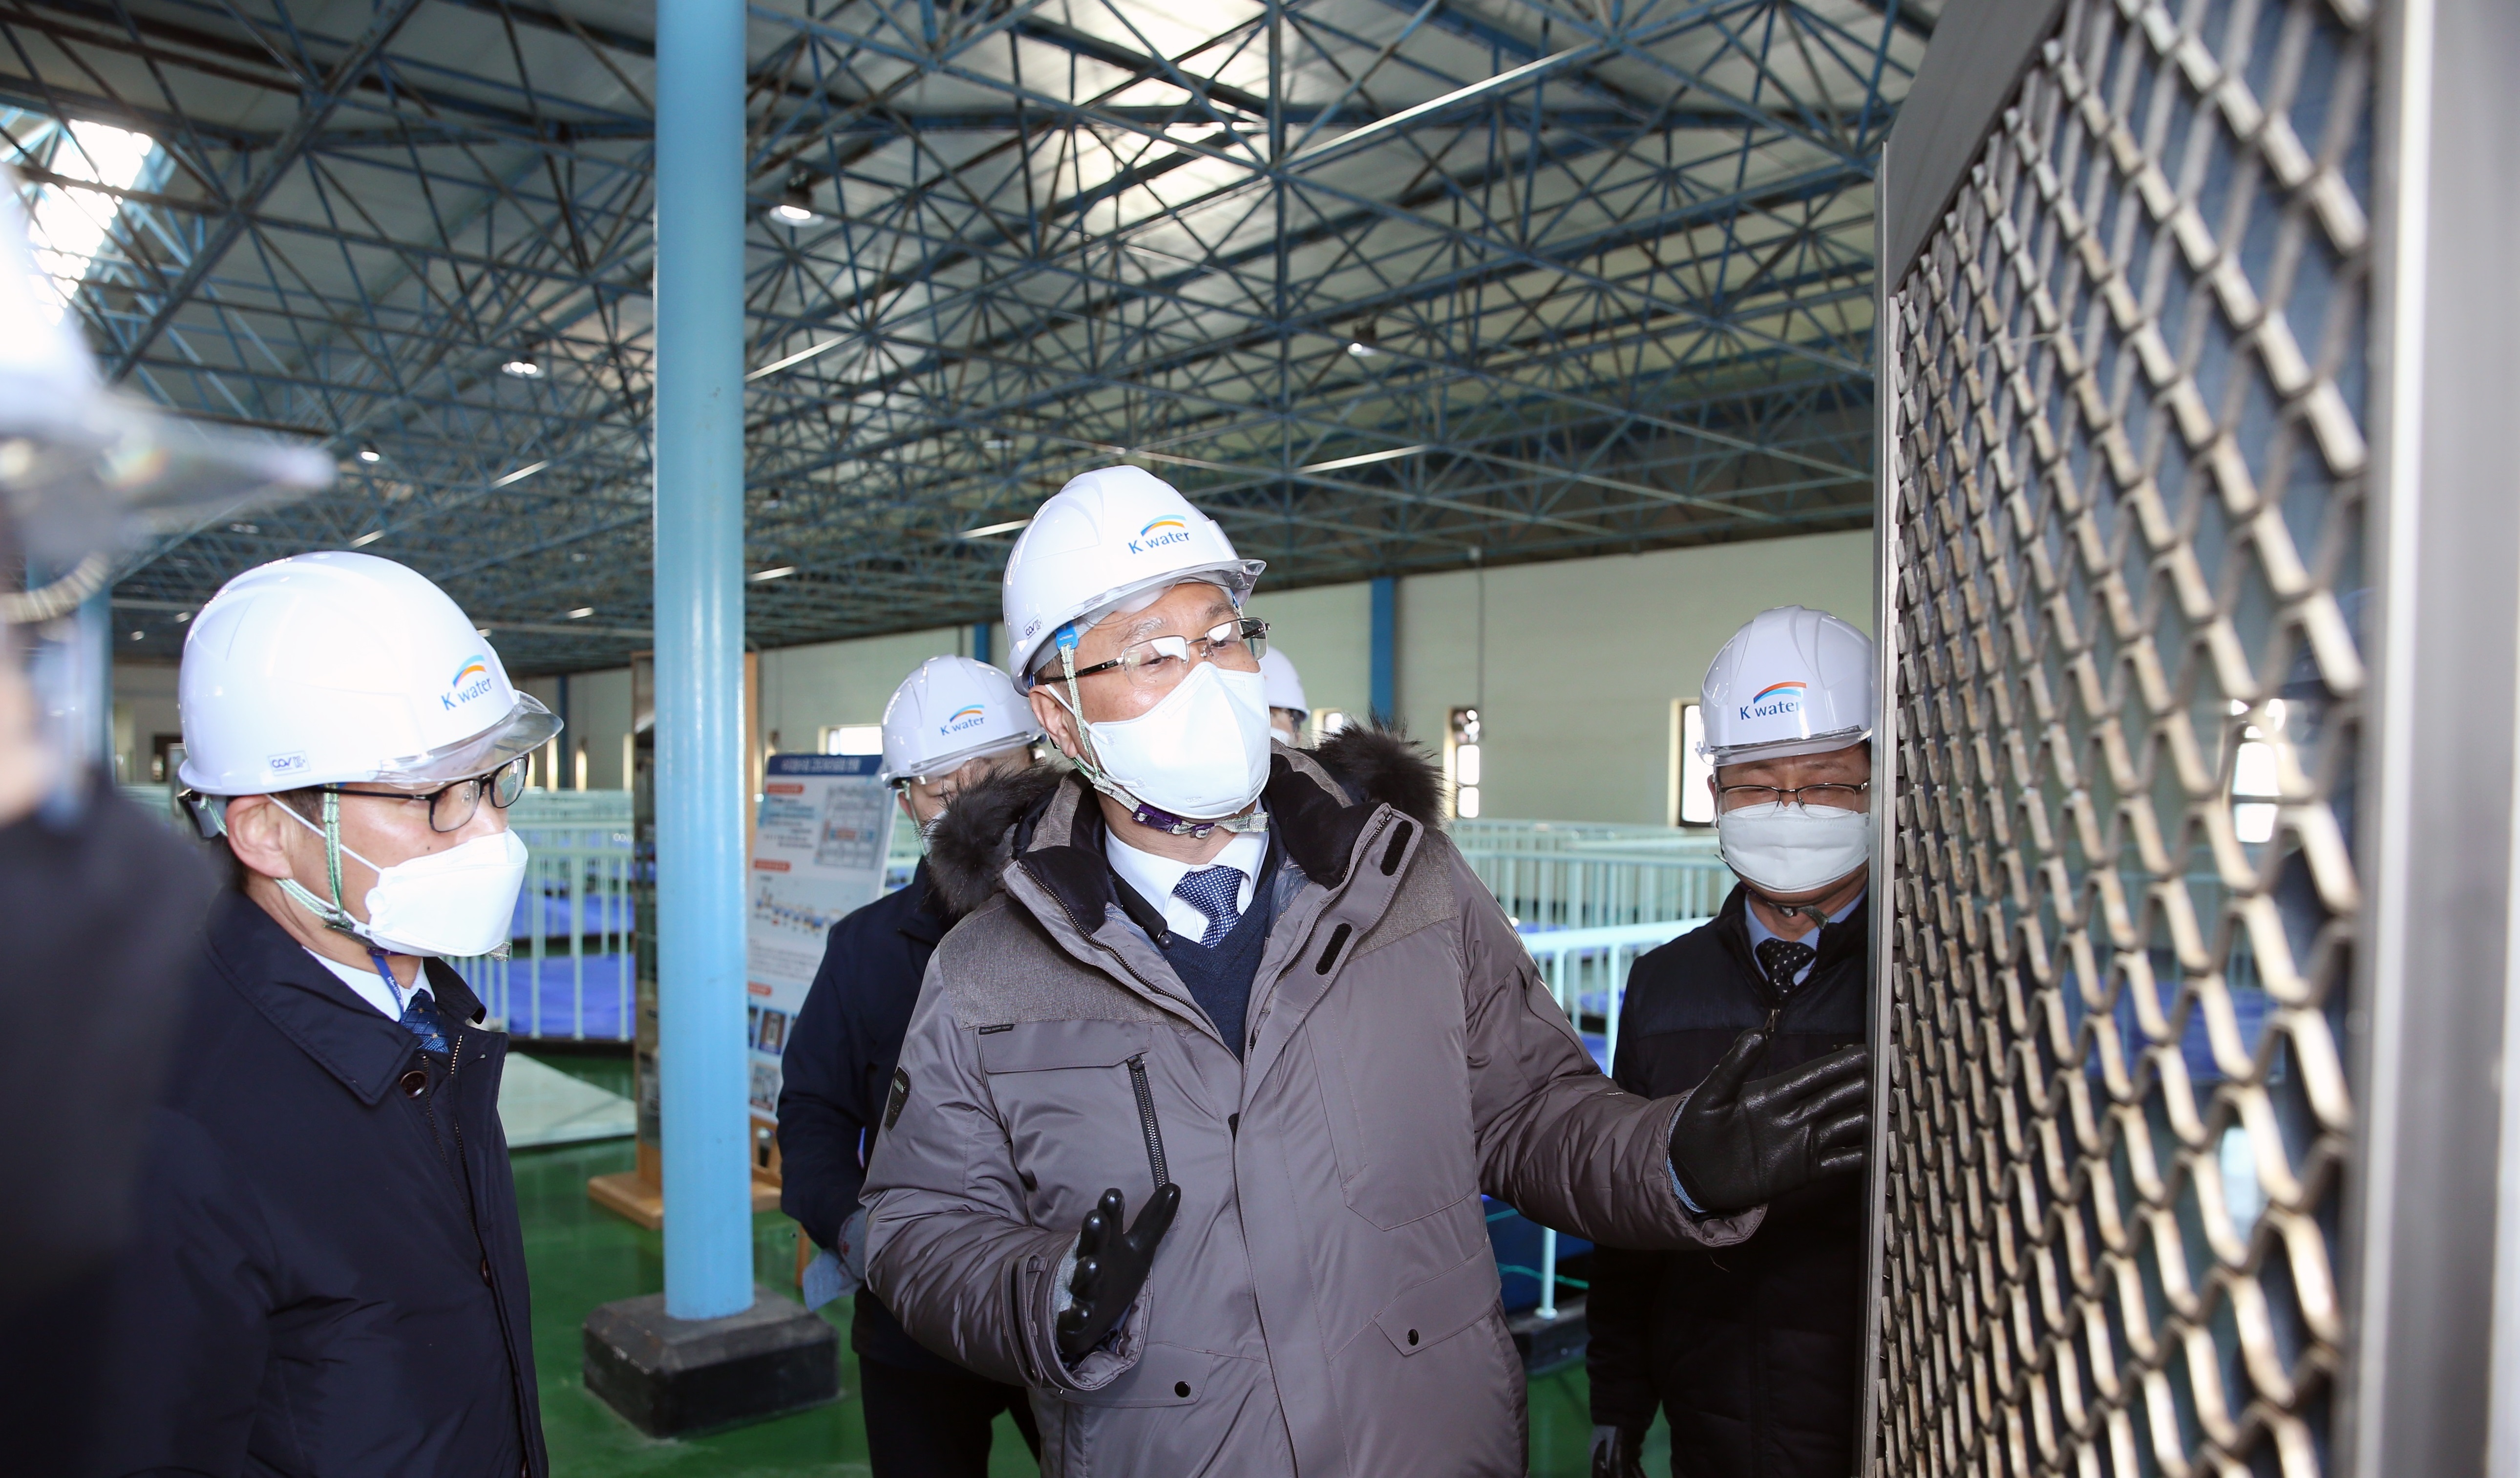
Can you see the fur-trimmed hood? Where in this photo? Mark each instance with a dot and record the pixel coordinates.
(1370, 765)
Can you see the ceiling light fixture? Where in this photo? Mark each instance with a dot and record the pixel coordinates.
(182, 617)
(796, 205)
(987, 530)
(775, 571)
(520, 474)
(582, 613)
(526, 366)
(367, 538)
(368, 452)
(245, 527)
(1363, 346)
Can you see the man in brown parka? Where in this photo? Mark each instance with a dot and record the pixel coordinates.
(1322, 1298)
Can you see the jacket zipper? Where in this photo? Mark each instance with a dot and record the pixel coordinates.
(1147, 1120)
(524, 1438)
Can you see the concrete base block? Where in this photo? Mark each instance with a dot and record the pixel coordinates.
(669, 1375)
(1549, 1344)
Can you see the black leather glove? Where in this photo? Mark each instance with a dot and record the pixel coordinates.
(1110, 1268)
(1741, 1144)
(1618, 1453)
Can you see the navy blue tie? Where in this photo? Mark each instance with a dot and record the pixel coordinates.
(422, 1018)
(1216, 892)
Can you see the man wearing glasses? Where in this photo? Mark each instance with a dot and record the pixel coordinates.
(1189, 1131)
(1756, 1354)
(332, 1278)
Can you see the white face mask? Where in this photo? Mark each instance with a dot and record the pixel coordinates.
(1787, 849)
(1201, 753)
(459, 902)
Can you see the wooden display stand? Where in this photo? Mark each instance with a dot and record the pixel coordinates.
(638, 1194)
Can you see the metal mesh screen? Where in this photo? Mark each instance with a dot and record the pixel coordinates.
(2128, 448)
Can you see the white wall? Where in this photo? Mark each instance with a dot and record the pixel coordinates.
(1583, 659)
(806, 690)
(1328, 631)
(143, 707)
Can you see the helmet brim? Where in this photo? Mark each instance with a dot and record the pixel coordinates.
(1236, 577)
(527, 728)
(1786, 749)
(946, 764)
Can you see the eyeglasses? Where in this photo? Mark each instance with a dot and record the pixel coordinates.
(452, 808)
(1832, 797)
(1159, 662)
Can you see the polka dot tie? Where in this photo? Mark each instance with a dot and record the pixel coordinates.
(1783, 959)
(1215, 892)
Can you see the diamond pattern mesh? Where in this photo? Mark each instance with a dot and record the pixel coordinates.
(2129, 453)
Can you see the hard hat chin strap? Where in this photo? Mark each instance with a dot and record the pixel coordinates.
(1153, 818)
(334, 914)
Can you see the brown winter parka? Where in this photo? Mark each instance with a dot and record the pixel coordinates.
(1326, 1302)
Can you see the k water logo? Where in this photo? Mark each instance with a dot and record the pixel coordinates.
(966, 719)
(1774, 701)
(1160, 532)
(471, 680)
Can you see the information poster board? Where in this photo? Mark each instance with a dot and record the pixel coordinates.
(818, 854)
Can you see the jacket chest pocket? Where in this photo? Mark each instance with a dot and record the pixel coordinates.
(1388, 1043)
(1078, 1103)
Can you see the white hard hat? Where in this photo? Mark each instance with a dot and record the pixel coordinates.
(1108, 536)
(1793, 681)
(330, 667)
(950, 709)
(1286, 690)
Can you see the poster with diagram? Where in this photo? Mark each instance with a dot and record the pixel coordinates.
(818, 854)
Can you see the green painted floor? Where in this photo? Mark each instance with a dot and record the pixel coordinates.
(580, 1256)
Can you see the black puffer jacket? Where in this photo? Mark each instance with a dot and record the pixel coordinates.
(1756, 1351)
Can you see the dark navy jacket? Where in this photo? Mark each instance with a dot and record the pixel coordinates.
(836, 1071)
(1755, 1351)
(330, 1279)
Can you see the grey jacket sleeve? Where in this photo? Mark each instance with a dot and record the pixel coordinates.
(951, 1249)
(1559, 1141)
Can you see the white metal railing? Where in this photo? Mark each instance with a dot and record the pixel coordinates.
(572, 965)
(1598, 886)
(1506, 834)
(1587, 971)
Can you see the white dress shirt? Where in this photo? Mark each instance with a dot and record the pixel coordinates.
(365, 980)
(1154, 877)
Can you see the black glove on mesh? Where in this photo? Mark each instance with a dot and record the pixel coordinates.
(1110, 1268)
(1741, 1144)
(1618, 1453)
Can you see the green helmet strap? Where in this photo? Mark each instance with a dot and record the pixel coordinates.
(335, 913)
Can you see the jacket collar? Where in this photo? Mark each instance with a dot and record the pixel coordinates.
(1059, 841)
(310, 1007)
(1849, 936)
(926, 918)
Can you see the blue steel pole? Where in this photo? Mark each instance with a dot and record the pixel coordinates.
(1383, 668)
(700, 657)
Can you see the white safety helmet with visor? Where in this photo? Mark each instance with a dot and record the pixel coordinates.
(947, 712)
(1791, 682)
(1112, 542)
(331, 670)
